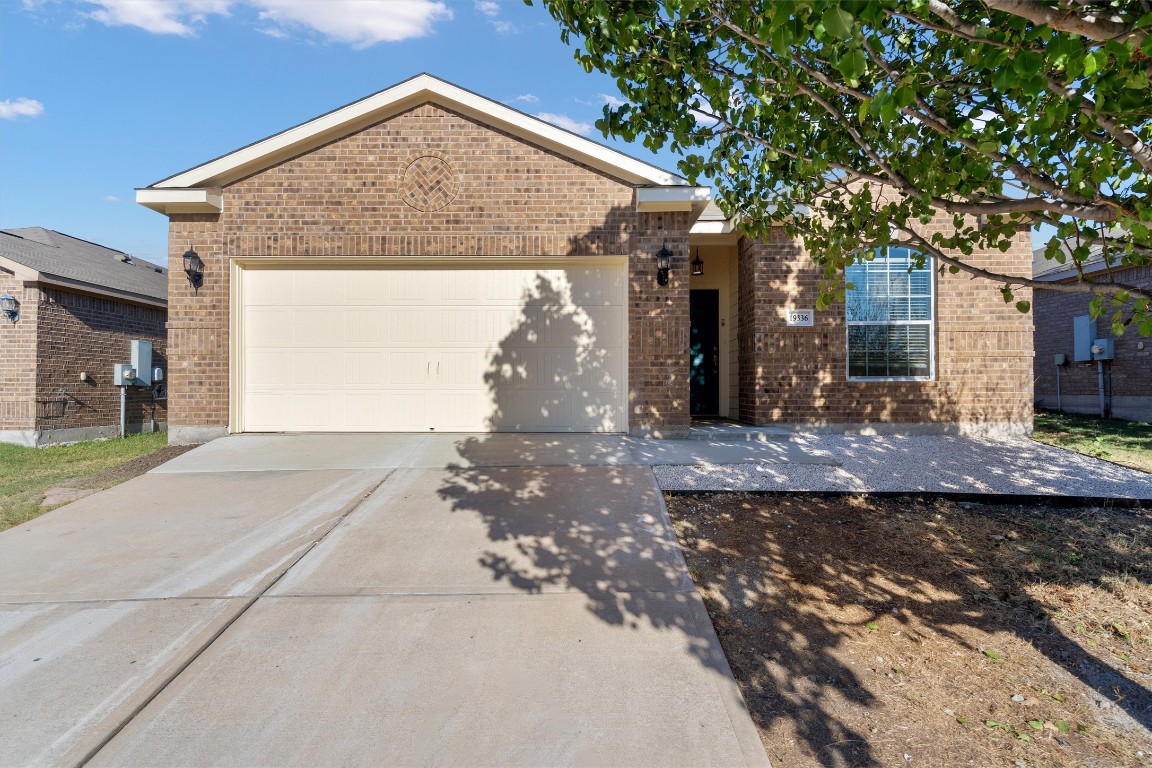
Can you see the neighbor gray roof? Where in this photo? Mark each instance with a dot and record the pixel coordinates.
(55, 254)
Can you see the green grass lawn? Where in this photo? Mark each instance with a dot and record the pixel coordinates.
(25, 473)
(1121, 442)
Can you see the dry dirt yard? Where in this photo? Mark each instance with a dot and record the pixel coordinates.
(901, 631)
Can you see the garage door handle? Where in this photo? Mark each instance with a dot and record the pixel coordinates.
(437, 367)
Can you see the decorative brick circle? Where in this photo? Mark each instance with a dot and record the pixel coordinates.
(428, 183)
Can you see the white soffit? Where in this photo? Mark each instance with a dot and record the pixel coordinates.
(181, 200)
(673, 198)
(392, 101)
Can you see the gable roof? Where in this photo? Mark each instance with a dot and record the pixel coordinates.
(46, 256)
(197, 190)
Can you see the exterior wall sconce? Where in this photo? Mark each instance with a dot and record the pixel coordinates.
(10, 307)
(193, 267)
(697, 264)
(663, 264)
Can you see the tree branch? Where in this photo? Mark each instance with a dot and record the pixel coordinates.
(1091, 26)
(1081, 286)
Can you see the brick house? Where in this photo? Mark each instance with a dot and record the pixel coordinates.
(78, 308)
(1075, 385)
(428, 259)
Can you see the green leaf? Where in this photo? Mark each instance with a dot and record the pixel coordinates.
(782, 42)
(853, 65)
(837, 22)
(992, 653)
(1023, 307)
(1036, 724)
(1062, 726)
(1027, 63)
(873, 626)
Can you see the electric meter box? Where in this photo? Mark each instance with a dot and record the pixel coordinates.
(1104, 349)
(1083, 336)
(142, 362)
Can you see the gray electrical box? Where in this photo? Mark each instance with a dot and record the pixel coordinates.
(1104, 349)
(1083, 335)
(142, 362)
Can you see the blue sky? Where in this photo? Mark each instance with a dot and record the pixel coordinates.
(98, 98)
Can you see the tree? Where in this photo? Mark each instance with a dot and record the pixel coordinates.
(1003, 113)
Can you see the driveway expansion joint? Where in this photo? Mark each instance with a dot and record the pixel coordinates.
(347, 510)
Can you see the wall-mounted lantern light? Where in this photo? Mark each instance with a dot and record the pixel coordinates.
(10, 307)
(193, 267)
(663, 264)
(697, 264)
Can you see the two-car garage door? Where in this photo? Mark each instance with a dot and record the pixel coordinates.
(418, 347)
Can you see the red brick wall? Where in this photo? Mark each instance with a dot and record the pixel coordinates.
(18, 359)
(1129, 375)
(346, 199)
(83, 333)
(799, 375)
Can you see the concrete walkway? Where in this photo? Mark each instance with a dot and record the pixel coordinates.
(910, 464)
(369, 599)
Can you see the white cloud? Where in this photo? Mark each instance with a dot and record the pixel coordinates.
(360, 23)
(611, 100)
(565, 122)
(112, 199)
(10, 109)
(161, 17)
(504, 27)
(527, 98)
(488, 7)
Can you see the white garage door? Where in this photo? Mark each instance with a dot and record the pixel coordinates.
(412, 348)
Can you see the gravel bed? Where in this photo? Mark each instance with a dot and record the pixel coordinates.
(925, 463)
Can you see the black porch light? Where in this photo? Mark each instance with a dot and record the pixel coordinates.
(10, 307)
(697, 264)
(663, 264)
(193, 267)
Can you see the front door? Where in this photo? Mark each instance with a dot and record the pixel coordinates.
(705, 352)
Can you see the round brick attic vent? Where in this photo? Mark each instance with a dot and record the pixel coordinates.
(428, 183)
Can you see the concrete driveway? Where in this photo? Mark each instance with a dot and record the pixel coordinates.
(367, 599)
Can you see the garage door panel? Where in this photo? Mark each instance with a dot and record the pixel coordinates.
(268, 368)
(591, 287)
(414, 327)
(268, 287)
(316, 327)
(414, 349)
(319, 369)
(365, 326)
(383, 410)
(272, 325)
(368, 286)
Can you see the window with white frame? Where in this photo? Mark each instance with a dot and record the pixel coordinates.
(890, 314)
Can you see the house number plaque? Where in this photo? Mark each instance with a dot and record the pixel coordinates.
(800, 318)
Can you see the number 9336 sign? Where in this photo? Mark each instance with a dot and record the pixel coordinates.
(802, 318)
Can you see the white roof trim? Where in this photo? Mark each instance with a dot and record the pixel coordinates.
(181, 200)
(380, 106)
(725, 227)
(675, 198)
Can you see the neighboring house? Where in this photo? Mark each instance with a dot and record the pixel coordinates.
(428, 259)
(80, 306)
(1076, 385)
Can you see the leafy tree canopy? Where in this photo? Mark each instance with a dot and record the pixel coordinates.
(1003, 113)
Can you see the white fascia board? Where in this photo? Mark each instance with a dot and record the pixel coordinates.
(20, 271)
(411, 93)
(181, 200)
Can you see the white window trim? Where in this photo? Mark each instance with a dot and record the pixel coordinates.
(848, 325)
